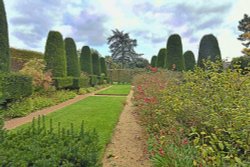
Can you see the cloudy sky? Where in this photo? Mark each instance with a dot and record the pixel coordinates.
(151, 22)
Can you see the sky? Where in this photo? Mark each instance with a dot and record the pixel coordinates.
(151, 22)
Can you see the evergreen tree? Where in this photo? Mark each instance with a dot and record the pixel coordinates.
(55, 54)
(73, 68)
(189, 60)
(4, 41)
(96, 64)
(154, 61)
(244, 26)
(175, 59)
(103, 66)
(86, 60)
(161, 59)
(208, 49)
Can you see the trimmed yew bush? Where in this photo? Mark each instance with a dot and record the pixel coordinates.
(175, 59)
(96, 64)
(103, 66)
(208, 49)
(154, 61)
(86, 60)
(73, 68)
(161, 58)
(55, 54)
(189, 60)
(4, 41)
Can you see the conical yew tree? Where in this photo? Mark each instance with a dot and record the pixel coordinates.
(86, 60)
(161, 59)
(96, 64)
(103, 66)
(154, 61)
(55, 54)
(189, 60)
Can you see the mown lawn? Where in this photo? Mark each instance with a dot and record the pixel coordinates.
(116, 90)
(100, 113)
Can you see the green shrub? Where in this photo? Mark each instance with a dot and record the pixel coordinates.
(73, 66)
(242, 63)
(86, 60)
(208, 50)
(161, 59)
(103, 66)
(154, 61)
(93, 80)
(175, 59)
(81, 82)
(14, 86)
(189, 60)
(4, 41)
(39, 146)
(101, 78)
(82, 91)
(55, 54)
(63, 82)
(96, 64)
(91, 89)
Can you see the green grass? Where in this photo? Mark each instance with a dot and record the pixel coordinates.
(100, 113)
(116, 90)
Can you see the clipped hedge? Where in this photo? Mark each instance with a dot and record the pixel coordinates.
(81, 82)
(101, 78)
(14, 86)
(63, 82)
(189, 60)
(93, 80)
(161, 59)
(154, 61)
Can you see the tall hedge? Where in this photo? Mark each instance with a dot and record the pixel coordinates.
(153, 61)
(86, 60)
(103, 66)
(189, 60)
(55, 54)
(96, 64)
(208, 49)
(73, 68)
(161, 59)
(4, 41)
(175, 59)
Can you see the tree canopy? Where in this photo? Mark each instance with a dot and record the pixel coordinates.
(244, 26)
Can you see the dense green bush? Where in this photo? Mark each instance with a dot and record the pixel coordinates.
(86, 60)
(14, 86)
(103, 66)
(101, 78)
(63, 82)
(4, 41)
(175, 59)
(93, 80)
(154, 61)
(189, 60)
(81, 82)
(161, 59)
(41, 146)
(73, 66)
(55, 54)
(96, 64)
(208, 50)
(242, 63)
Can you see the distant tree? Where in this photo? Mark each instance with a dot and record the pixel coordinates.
(244, 26)
(153, 62)
(189, 60)
(55, 54)
(4, 41)
(111, 64)
(208, 49)
(122, 47)
(139, 63)
(73, 68)
(103, 66)
(161, 59)
(175, 59)
(86, 60)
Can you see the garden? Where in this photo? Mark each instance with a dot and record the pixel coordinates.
(194, 113)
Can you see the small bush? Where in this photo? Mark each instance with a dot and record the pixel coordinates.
(93, 80)
(81, 82)
(82, 91)
(63, 82)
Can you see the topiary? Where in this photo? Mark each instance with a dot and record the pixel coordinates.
(103, 66)
(4, 41)
(161, 59)
(86, 60)
(154, 61)
(73, 68)
(175, 59)
(189, 60)
(96, 64)
(208, 49)
(55, 54)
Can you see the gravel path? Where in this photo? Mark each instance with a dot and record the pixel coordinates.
(128, 144)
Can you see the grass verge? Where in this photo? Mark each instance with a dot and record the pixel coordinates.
(116, 90)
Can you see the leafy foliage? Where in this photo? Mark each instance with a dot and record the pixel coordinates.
(41, 146)
(242, 63)
(244, 26)
(161, 59)
(55, 54)
(208, 50)
(63, 82)
(86, 60)
(73, 66)
(175, 59)
(189, 60)
(4, 41)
